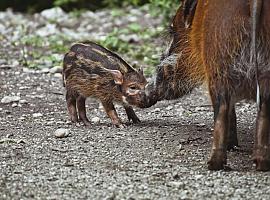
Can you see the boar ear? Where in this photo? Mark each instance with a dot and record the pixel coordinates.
(117, 76)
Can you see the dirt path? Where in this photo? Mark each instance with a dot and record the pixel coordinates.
(164, 157)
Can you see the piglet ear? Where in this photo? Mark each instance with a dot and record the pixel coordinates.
(141, 70)
(117, 76)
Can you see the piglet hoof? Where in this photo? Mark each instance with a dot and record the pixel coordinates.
(262, 159)
(135, 120)
(218, 160)
(118, 125)
(86, 123)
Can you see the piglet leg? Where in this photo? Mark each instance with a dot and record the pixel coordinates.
(71, 105)
(111, 112)
(131, 114)
(82, 111)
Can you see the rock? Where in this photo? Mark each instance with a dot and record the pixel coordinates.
(95, 120)
(2, 61)
(15, 63)
(169, 108)
(45, 70)
(49, 29)
(53, 13)
(57, 75)
(23, 101)
(61, 133)
(36, 115)
(10, 99)
(156, 110)
(133, 38)
(14, 105)
(56, 69)
(2, 28)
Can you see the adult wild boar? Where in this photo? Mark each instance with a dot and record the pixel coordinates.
(227, 45)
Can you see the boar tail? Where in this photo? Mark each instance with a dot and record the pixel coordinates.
(255, 10)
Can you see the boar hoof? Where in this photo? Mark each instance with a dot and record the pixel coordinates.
(74, 119)
(85, 121)
(232, 144)
(262, 159)
(217, 160)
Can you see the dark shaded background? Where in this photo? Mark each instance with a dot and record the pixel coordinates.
(32, 6)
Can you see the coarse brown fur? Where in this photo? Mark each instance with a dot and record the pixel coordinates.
(92, 70)
(228, 46)
(179, 71)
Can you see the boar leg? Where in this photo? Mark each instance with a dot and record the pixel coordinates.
(131, 114)
(82, 111)
(232, 140)
(232, 136)
(71, 104)
(111, 112)
(262, 149)
(222, 111)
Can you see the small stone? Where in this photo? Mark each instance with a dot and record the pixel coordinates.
(95, 120)
(23, 101)
(169, 108)
(57, 75)
(61, 133)
(36, 115)
(56, 69)
(175, 184)
(21, 118)
(14, 105)
(156, 110)
(53, 13)
(15, 63)
(10, 99)
(45, 70)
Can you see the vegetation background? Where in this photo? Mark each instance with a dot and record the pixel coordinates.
(39, 52)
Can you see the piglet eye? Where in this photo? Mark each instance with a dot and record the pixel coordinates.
(133, 87)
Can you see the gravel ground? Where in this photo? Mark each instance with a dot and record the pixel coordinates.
(164, 157)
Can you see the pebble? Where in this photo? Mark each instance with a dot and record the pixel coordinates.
(57, 75)
(169, 108)
(53, 13)
(95, 120)
(23, 101)
(61, 133)
(156, 110)
(56, 69)
(36, 115)
(10, 99)
(14, 105)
